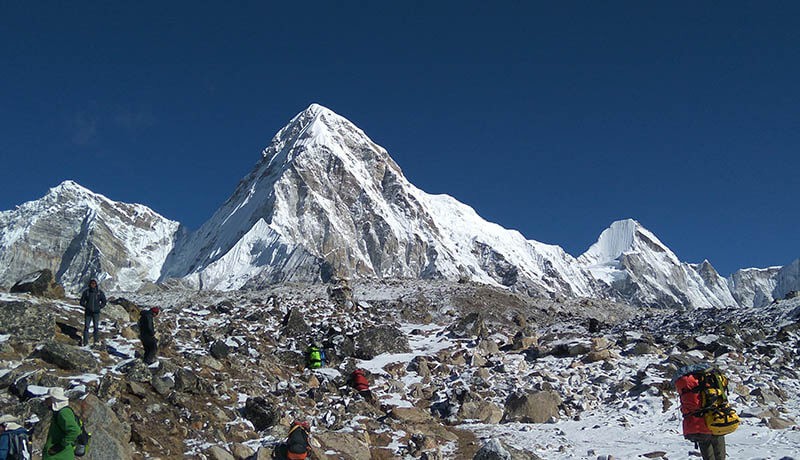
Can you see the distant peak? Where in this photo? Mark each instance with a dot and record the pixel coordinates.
(71, 185)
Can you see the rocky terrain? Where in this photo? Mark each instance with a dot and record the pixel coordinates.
(458, 370)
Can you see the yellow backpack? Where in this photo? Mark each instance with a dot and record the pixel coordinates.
(720, 417)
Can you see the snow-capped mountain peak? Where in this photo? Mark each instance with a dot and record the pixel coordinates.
(621, 237)
(79, 234)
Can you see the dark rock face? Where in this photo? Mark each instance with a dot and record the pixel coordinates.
(537, 407)
(382, 339)
(67, 357)
(260, 412)
(110, 437)
(294, 325)
(27, 321)
(492, 450)
(219, 349)
(40, 283)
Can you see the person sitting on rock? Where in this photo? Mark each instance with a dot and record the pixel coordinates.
(359, 381)
(92, 300)
(315, 356)
(64, 428)
(147, 334)
(297, 441)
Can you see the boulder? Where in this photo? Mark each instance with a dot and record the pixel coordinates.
(779, 423)
(116, 313)
(27, 321)
(39, 283)
(68, 357)
(162, 384)
(346, 444)
(242, 451)
(410, 415)
(261, 413)
(382, 339)
(483, 411)
(536, 407)
(136, 371)
(294, 325)
(218, 453)
(219, 349)
(492, 450)
(110, 436)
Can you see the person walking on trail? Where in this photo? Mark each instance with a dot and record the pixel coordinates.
(64, 428)
(695, 428)
(14, 439)
(92, 300)
(147, 334)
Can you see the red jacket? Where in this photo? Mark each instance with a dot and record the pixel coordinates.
(690, 402)
(359, 382)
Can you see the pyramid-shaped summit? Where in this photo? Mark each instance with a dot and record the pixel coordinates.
(325, 200)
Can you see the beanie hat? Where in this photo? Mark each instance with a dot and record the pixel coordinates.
(155, 310)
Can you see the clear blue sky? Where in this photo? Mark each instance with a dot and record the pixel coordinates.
(553, 120)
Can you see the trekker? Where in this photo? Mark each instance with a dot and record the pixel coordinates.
(315, 357)
(92, 300)
(64, 428)
(147, 334)
(14, 440)
(695, 428)
(359, 381)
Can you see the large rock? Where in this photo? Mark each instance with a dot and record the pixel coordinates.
(218, 453)
(68, 357)
(346, 444)
(27, 321)
(492, 450)
(116, 313)
(382, 339)
(261, 413)
(483, 411)
(136, 371)
(39, 283)
(294, 325)
(536, 407)
(110, 436)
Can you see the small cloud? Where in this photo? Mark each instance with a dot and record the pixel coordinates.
(133, 120)
(83, 128)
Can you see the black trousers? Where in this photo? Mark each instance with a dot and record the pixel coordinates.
(711, 447)
(88, 319)
(150, 349)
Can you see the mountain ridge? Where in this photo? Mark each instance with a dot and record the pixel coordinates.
(324, 200)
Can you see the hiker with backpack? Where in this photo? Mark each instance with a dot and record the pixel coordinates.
(15, 441)
(92, 300)
(296, 446)
(64, 429)
(147, 334)
(358, 380)
(315, 356)
(707, 415)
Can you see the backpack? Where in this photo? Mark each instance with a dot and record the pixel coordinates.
(19, 445)
(315, 357)
(84, 439)
(719, 416)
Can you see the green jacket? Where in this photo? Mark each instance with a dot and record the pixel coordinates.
(63, 432)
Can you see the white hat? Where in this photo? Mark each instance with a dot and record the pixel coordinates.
(57, 393)
(60, 401)
(11, 426)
